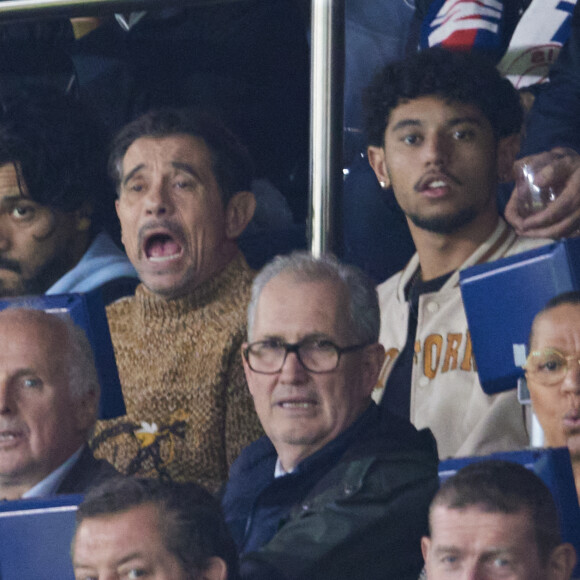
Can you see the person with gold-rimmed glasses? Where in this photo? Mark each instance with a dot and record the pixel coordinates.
(553, 374)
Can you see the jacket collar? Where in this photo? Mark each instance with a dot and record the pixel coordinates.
(496, 245)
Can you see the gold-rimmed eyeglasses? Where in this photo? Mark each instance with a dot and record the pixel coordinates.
(549, 366)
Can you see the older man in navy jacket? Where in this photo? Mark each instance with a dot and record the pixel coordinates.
(334, 490)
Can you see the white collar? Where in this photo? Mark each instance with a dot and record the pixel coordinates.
(50, 483)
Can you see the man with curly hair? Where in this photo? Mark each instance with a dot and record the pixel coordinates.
(443, 131)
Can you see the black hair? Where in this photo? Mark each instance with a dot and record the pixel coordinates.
(452, 76)
(191, 519)
(505, 487)
(572, 297)
(58, 149)
(231, 162)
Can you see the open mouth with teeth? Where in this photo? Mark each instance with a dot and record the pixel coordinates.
(297, 404)
(436, 184)
(435, 188)
(162, 247)
(9, 436)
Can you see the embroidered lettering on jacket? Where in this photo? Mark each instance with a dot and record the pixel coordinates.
(439, 354)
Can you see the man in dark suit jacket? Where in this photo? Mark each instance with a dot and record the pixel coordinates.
(49, 393)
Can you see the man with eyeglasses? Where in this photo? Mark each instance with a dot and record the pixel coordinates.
(335, 489)
(553, 374)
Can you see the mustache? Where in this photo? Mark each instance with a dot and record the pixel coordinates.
(174, 229)
(427, 177)
(12, 426)
(7, 264)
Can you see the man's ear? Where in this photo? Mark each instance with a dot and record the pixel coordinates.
(86, 410)
(425, 545)
(561, 562)
(83, 217)
(507, 152)
(239, 212)
(119, 218)
(247, 369)
(215, 570)
(377, 160)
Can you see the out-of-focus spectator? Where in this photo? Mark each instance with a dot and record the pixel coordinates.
(495, 519)
(54, 201)
(49, 394)
(552, 129)
(553, 374)
(130, 528)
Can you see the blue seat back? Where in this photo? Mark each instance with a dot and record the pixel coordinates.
(35, 538)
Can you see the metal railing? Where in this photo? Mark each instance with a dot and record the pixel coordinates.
(24, 9)
(326, 115)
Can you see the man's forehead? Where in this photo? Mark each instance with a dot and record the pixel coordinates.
(169, 148)
(10, 184)
(289, 283)
(128, 530)
(444, 516)
(292, 302)
(143, 518)
(38, 330)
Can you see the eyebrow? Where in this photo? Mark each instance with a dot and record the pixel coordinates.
(404, 123)
(447, 549)
(10, 199)
(129, 557)
(24, 372)
(309, 336)
(175, 164)
(132, 556)
(133, 171)
(491, 551)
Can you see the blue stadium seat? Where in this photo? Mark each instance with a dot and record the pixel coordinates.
(36, 536)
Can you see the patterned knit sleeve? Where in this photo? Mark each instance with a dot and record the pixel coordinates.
(242, 423)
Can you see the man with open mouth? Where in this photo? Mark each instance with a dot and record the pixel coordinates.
(183, 183)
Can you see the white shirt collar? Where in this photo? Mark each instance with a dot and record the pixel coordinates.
(50, 483)
(279, 471)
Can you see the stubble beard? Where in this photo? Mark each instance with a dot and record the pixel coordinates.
(42, 279)
(445, 224)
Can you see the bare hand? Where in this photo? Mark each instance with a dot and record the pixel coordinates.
(561, 218)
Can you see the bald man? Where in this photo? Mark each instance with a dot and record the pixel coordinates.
(49, 394)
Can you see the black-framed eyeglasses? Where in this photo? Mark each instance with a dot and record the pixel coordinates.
(549, 366)
(315, 355)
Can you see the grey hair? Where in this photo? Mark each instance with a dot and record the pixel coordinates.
(363, 311)
(82, 371)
